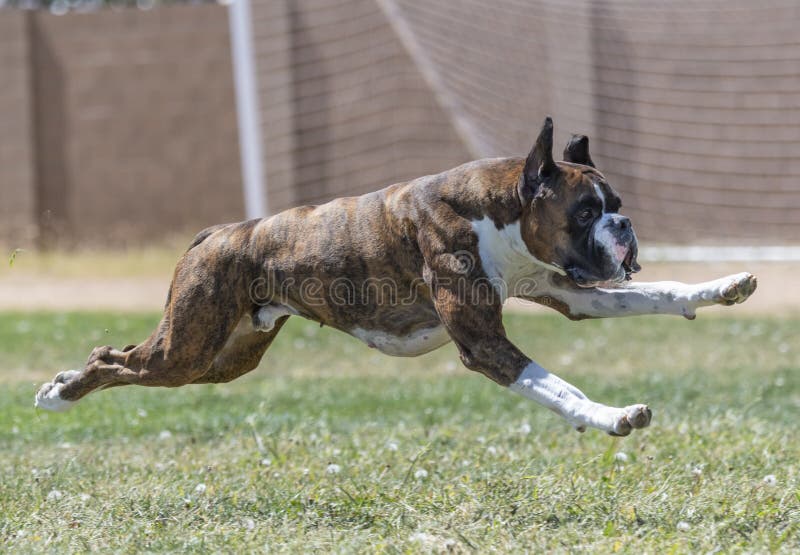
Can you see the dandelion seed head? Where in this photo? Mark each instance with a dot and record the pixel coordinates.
(420, 537)
(421, 474)
(200, 489)
(770, 480)
(333, 469)
(164, 435)
(54, 495)
(683, 526)
(621, 456)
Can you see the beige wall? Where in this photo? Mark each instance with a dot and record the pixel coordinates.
(139, 134)
(119, 126)
(17, 176)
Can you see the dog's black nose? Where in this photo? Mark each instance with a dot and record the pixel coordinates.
(621, 222)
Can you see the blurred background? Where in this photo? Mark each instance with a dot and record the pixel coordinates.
(127, 127)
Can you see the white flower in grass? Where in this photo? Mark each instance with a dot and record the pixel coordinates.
(333, 469)
(141, 413)
(421, 474)
(621, 456)
(697, 471)
(770, 480)
(54, 495)
(266, 462)
(200, 489)
(492, 450)
(525, 428)
(420, 537)
(391, 446)
(85, 497)
(683, 526)
(249, 524)
(164, 435)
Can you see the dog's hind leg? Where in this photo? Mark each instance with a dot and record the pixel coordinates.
(158, 362)
(241, 354)
(208, 297)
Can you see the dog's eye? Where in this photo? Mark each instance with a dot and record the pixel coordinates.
(585, 216)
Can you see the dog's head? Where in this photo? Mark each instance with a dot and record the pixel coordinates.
(571, 214)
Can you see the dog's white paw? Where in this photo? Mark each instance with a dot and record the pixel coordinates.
(49, 395)
(632, 417)
(736, 289)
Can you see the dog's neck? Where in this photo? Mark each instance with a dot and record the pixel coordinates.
(505, 257)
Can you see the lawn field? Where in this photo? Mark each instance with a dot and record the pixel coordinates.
(332, 447)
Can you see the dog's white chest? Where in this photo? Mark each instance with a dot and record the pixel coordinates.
(415, 343)
(506, 259)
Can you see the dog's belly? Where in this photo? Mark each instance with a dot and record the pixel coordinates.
(417, 342)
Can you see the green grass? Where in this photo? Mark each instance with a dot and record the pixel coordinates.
(500, 473)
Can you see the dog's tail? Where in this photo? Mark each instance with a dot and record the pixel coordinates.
(205, 234)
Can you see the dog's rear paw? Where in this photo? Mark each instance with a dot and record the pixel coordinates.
(66, 376)
(633, 417)
(49, 395)
(738, 288)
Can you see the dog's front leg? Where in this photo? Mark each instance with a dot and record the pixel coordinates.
(476, 327)
(661, 297)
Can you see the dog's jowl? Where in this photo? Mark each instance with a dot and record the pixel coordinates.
(407, 269)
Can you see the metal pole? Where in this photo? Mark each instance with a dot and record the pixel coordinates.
(247, 112)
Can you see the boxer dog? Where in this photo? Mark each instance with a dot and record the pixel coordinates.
(406, 270)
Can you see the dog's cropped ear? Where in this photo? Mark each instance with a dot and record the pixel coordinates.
(539, 166)
(577, 151)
